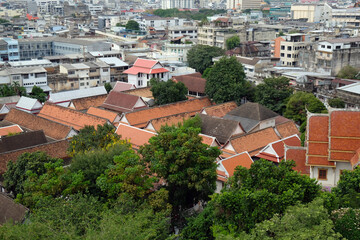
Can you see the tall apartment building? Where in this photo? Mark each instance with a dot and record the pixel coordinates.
(9, 50)
(331, 55)
(179, 31)
(168, 4)
(243, 4)
(290, 47)
(156, 22)
(312, 12)
(349, 17)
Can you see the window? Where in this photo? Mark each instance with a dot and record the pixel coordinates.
(338, 47)
(25, 76)
(40, 75)
(71, 72)
(289, 55)
(82, 84)
(322, 174)
(139, 74)
(140, 83)
(328, 47)
(147, 76)
(322, 46)
(282, 47)
(92, 70)
(282, 55)
(162, 75)
(16, 78)
(105, 69)
(289, 48)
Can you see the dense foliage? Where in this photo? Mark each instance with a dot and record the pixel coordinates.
(12, 90)
(336, 103)
(132, 25)
(165, 92)
(108, 87)
(200, 57)
(300, 102)
(349, 72)
(174, 12)
(39, 94)
(232, 42)
(274, 93)
(225, 82)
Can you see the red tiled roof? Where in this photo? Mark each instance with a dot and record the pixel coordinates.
(219, 110)
(10, 129)
(141, 117)
(157, 123)
(298, 155)
(136, 136)
(70, 117)
(57, 149)
(253, 142)
(145, 63)
(242, 159)
(287, 129)
(32, 122)
(193, 83)
(136, 70)
(122, 102)
(111, 116)
(123, 86)
(85, 103)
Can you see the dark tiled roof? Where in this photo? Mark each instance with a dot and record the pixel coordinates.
(220, 110)
(87, 102)
(11, 211)
(121, 102)
(193, 83)
(22, 140)
(220, 128)
(30, 121)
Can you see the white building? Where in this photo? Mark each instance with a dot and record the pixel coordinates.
(157, 22)
(143, 70)
(243, 4)
(168, 4)
(178, 31)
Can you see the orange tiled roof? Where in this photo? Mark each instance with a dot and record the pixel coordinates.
(10, 129)
(87, 102)
(32, 122)
(141, 92)
(141, 117)
(136, 136)
(123, 102)
(219, 110)
(241, 159)
(298, 154)
(318, 141)
(56, 149)
(157, 123)
(253, 142)
(109, 115)
(70, 117)
(209, 140)
(287, 129)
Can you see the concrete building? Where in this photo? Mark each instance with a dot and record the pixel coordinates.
(243, 4)
(179, 31)
(9, 50)
(290, 47)
(108, 21)
(331, 55)
(168, 4)
(312, 12)
(348, 17)
(178, 48)
(117, 68)
(157, 22)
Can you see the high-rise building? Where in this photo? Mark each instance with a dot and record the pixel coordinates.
(243, 4)
(167, 4)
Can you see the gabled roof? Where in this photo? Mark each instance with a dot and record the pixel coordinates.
(141, 117)
(136, 136)
(56, 149)
(297, 154)
(229, 164)
(123, 102)
(123, 86)
(109, 115)
(253, 142)
(22, 140)
(11, 211)
(210, 140)
(145, 63)
(70, 117)
(193, 84)
(220, 128)
(29, 104)
(275, 151)
(141, 92)
(10, 129)
(87, 102)
(219, 110)
(52, 129)
(75, 94)
(287, 129)
(145, 66)
(157, 123)
(250, 115)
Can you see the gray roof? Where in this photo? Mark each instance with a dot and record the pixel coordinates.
(11, 210)
(250, 114)
(220, 128)
(26, 70)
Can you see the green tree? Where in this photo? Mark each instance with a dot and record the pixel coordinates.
(168, 92)
(336, 103)
(90, 138)
(94, 163)
(347, 222)
(108, 87)
(127, 175)
(349, 72)
(274, 93)
(38, 93)
(15, 175)
(200, 56)
(232, 42)
(254, 195)
(132, 25)
(295, 107)
(188, 166)
(226, 81)
(303, 222)
(54, 183)
(348, 188)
